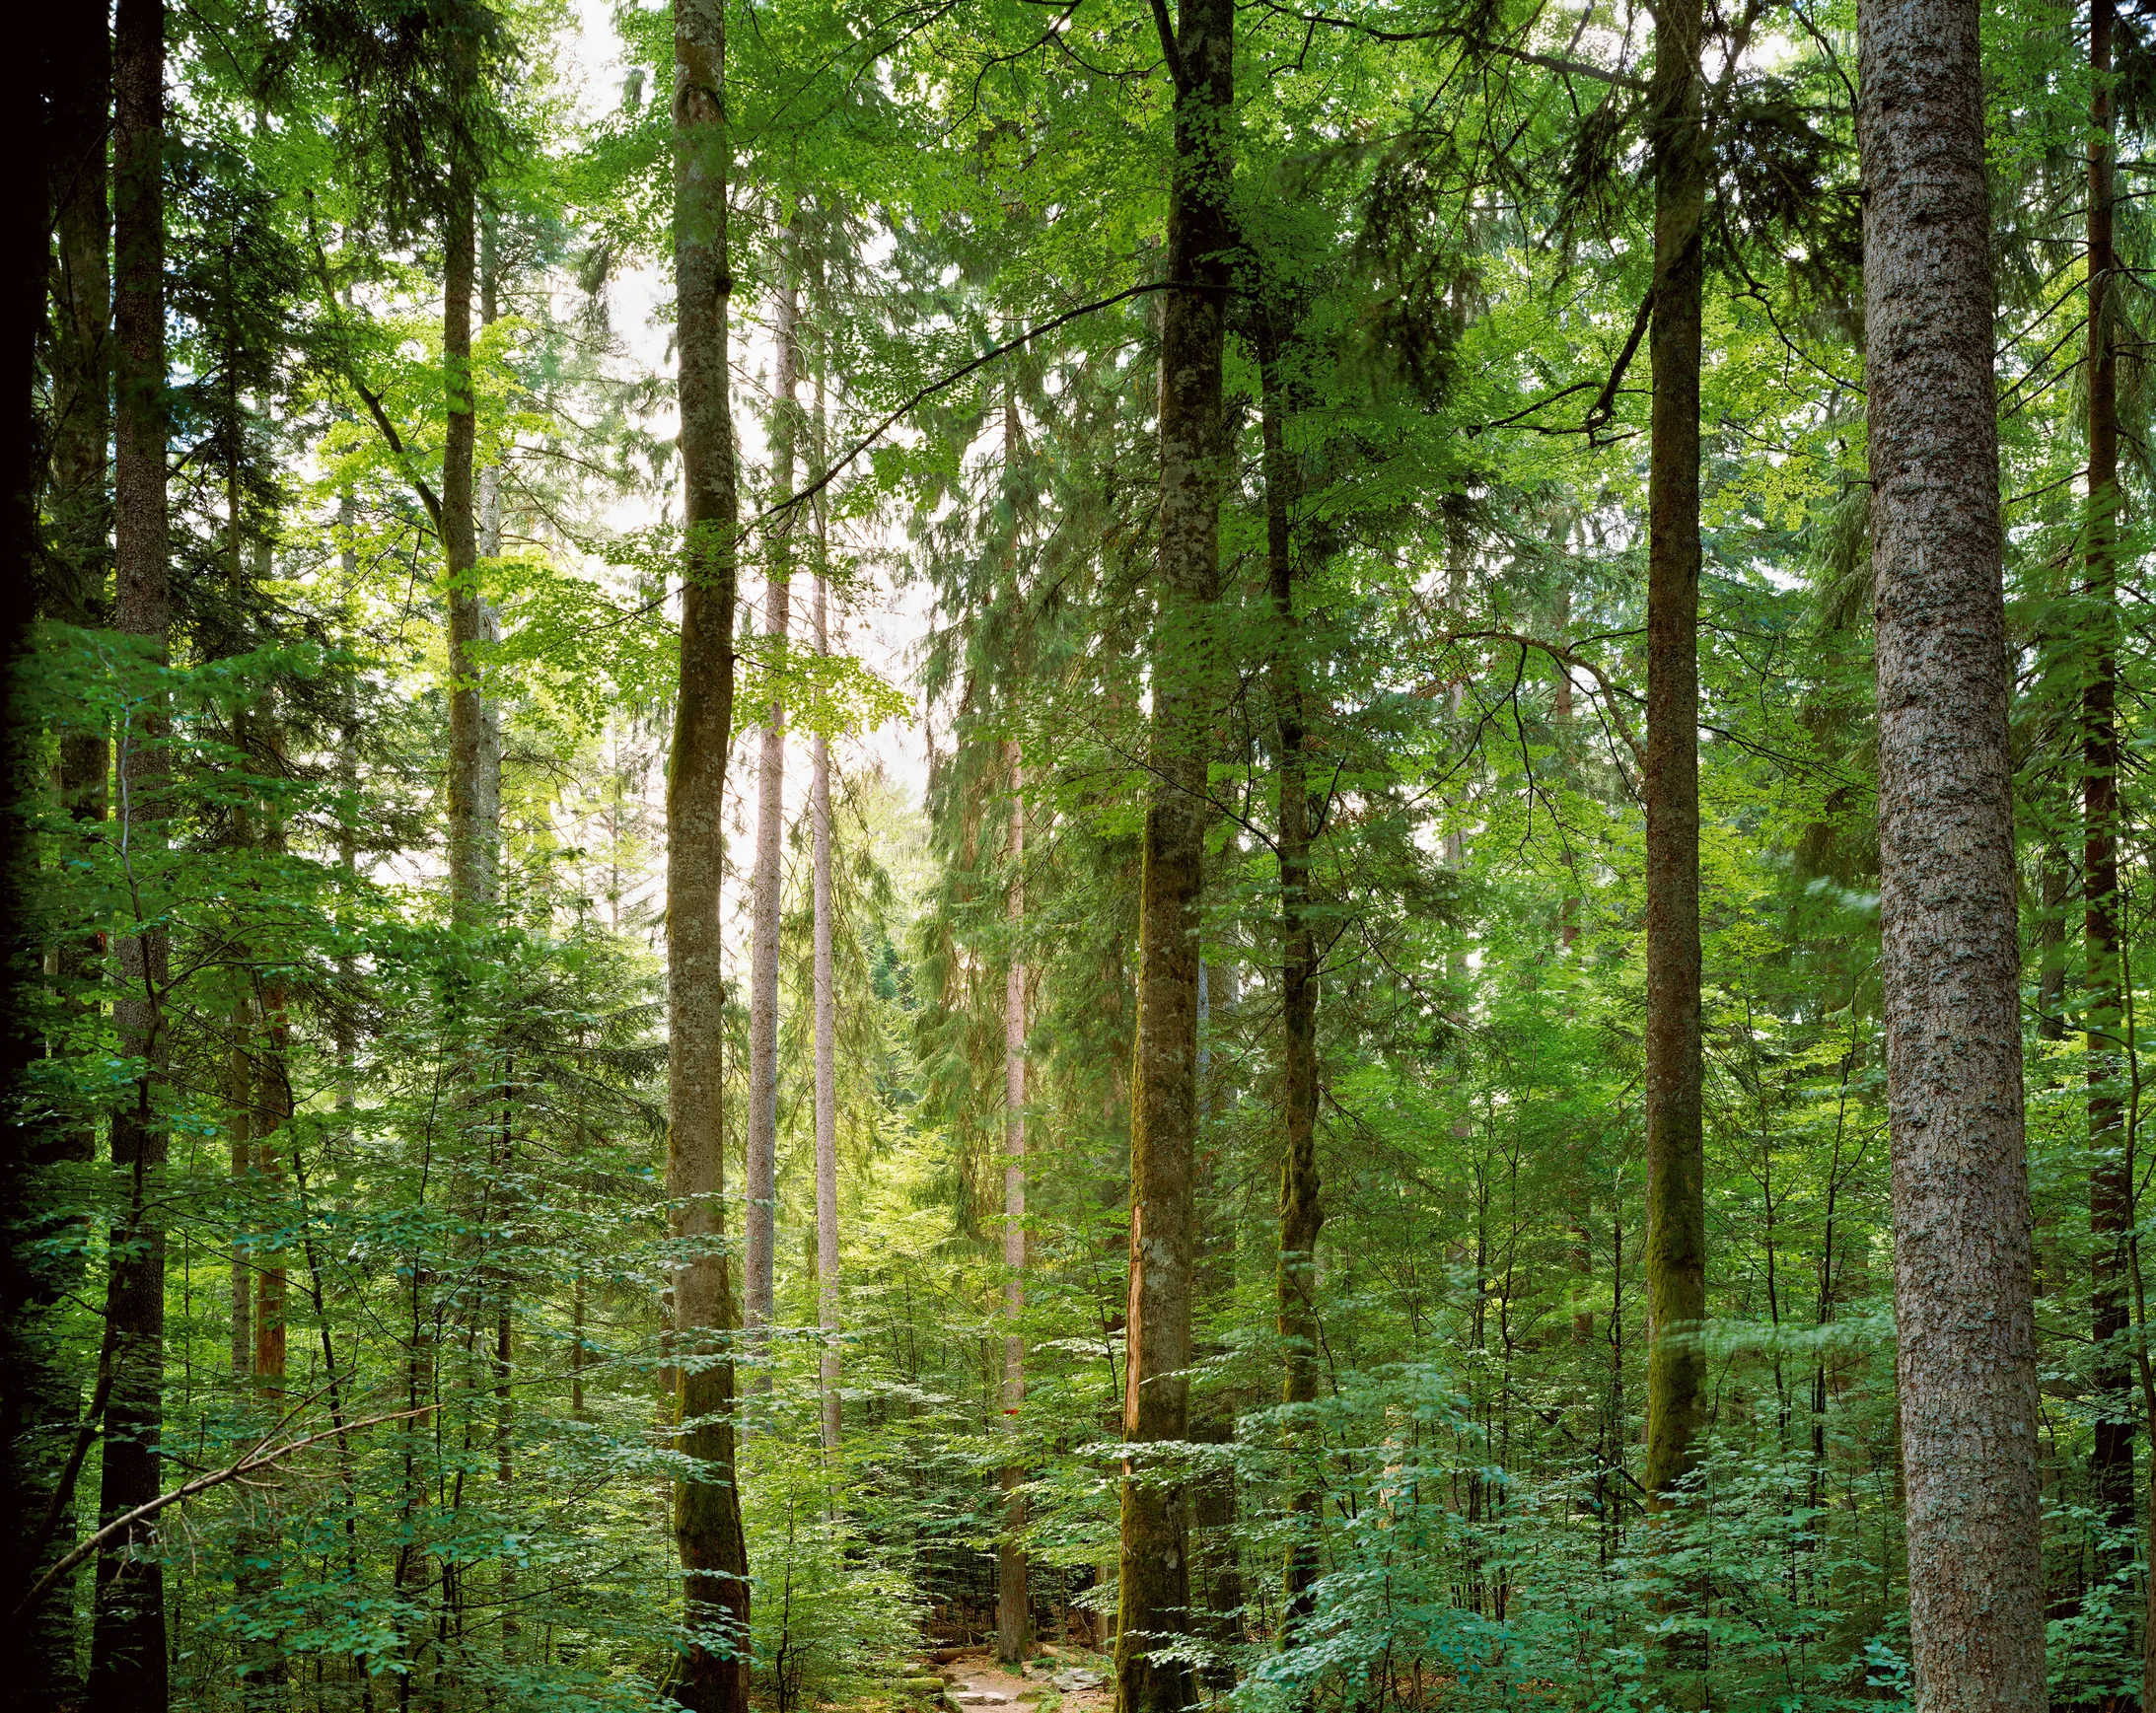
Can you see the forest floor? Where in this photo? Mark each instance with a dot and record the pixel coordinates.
(979, 1685)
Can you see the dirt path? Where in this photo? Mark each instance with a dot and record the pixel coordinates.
(978, 1684)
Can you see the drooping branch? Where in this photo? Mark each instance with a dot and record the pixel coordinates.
(263, 1455)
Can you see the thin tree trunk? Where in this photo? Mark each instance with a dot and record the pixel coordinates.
(240, 1132)
(1301, 1214)
(2056, 892)
(475, 743)
(2110, 1188)
(826, 1012)
(1676, 1251)
(707, 1530)
(127, 1657)
(1014, 1600)
(270, 1118)
(1965, 1317)
(489, 527)
(1155, 1576)
(762, 1152)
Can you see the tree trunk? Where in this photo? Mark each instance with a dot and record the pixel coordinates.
(1676, 1252)
(1301, 1211)
(240, 1133)
(271, 1119)
(474, 742)
(1014, 1603)
(1155, 1578)
(490, 474)
(128, 1657)
(2110, 1188)
(714, 1674)
(38, 1391)
(762, 1150)
(826, 1012)
(1964, 1312)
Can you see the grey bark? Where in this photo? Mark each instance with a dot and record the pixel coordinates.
(760, 1165)
(1964, 1310)
(827, 1074)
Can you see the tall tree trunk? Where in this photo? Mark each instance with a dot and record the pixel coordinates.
(1155, 1578)
(706, 1508)
(1965, 1318)
(2110, 1188)
(1014, 1600)
(39, 1395)
(760, 1162)
(127, 1662)
(827, 993)
(1301, 1211)
(1676, 1252)
(475, 742)
(79, 513)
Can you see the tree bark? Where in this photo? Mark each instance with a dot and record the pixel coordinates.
(707, 1507)
(827, 1078)
(475, 740)
(38, 1391)
(1014, 1603)
(1951, 958)
(1675, 1250)
(1302, 1213)
(1155, 1576)
(827, 991)
(2110, 1188)
(762, 1150)
(127, 1657)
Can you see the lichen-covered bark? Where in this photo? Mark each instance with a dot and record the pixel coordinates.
(128, 1655)
(1676, 1251)
(1951, 958)
(707, 1530)
(1155, 1573)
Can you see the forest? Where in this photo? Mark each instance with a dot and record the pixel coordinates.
(933, 856)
